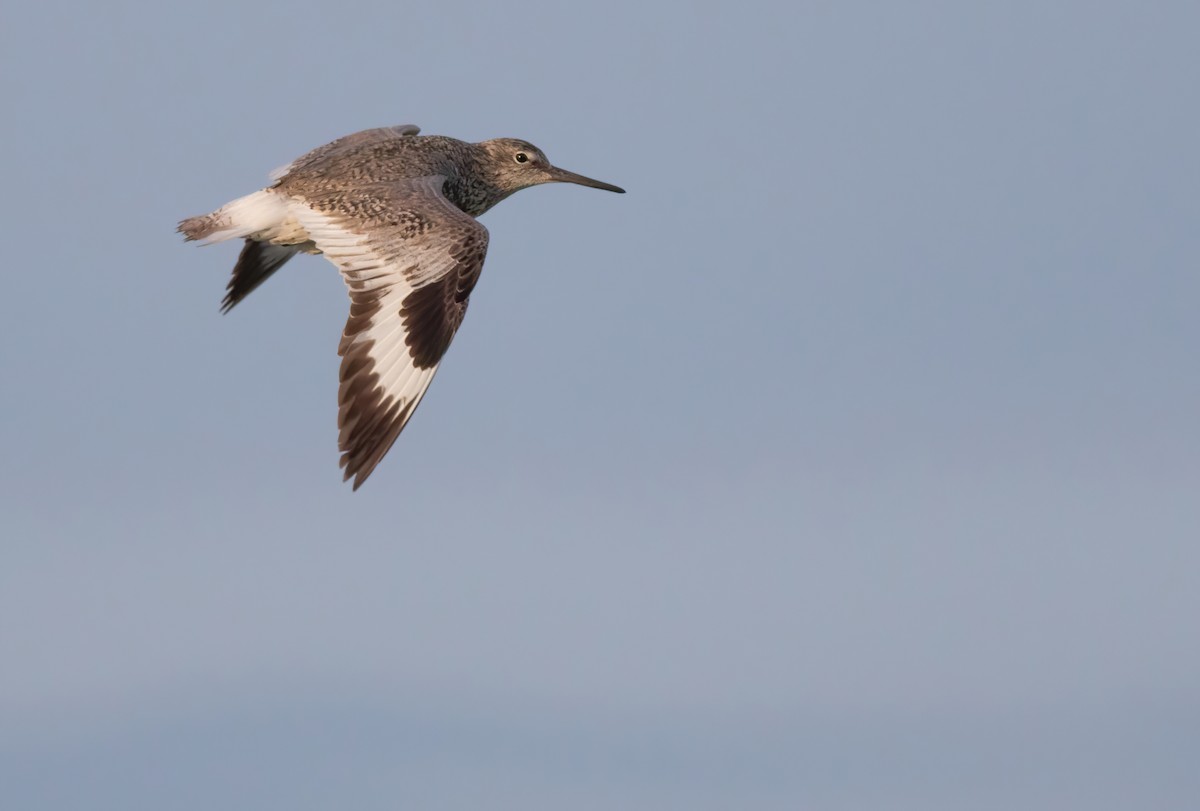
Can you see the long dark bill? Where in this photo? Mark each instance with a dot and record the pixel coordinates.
(563, 176)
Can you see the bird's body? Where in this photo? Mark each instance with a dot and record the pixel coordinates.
(395, 213)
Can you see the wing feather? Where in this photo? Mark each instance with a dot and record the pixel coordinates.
(408, 288)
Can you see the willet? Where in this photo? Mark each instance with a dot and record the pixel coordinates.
(395, 213)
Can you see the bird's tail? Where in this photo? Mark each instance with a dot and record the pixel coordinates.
(260, 211)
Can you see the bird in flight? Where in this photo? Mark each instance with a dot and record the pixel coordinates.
(395, 212)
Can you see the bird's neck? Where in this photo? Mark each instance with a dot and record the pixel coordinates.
(467, 182)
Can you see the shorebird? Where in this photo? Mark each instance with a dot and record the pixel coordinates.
(395, 212)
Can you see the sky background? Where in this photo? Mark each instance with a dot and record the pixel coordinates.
(850, 460)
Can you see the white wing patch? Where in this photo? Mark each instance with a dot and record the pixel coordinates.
(382, 382)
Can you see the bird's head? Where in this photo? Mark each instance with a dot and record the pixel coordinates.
(514, 164)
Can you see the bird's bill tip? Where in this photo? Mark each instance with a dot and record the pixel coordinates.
(563, 176)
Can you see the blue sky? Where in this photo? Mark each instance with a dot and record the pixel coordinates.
(849, 460)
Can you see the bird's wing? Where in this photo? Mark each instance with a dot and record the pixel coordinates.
(255, 264)
(410, 259)
(344, 143)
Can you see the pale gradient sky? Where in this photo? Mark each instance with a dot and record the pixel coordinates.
(850, 460)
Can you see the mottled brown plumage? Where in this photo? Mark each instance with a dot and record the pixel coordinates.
(395, 212)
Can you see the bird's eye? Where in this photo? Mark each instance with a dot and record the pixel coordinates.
(521, 157)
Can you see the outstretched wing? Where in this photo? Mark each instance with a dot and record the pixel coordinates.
(257, 261)
(410, 259)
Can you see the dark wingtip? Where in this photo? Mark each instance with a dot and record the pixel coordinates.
(352, 471)
(255, 264)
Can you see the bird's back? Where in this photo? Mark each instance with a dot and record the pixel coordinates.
(373, 156)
